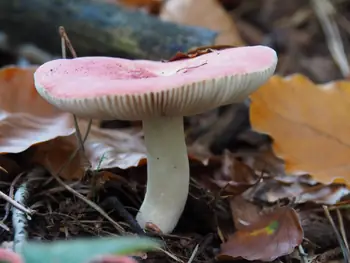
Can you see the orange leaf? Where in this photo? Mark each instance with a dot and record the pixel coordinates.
(25, 118)
(309, 124)
(204, 13)
(273, 235)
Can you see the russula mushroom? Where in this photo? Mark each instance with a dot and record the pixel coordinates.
(160, 94)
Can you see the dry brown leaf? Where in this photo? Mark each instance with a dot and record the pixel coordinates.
(309, 124)
(56, 153)
(271, 236)
(204, 13)
(243, 212)
(25, 118)
(234, 176)
(272, 190)
(111, 148)
(8, 166)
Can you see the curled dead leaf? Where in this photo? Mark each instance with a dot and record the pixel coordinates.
(25, 118)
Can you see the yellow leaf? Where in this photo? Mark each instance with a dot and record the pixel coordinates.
(309, 123)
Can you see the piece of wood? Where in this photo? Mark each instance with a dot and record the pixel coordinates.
(98, 28)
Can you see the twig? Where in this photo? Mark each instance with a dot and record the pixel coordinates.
(339, 237)
(325, 12)
(11, 195)
(19, 218)
(342, 228)
(90, 203)
(302, 254)
(194, 253)
(66, 42)
(16, 204)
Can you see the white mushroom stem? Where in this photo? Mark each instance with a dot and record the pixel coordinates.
(167, 173)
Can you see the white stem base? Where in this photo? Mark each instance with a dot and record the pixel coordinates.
(167, 173)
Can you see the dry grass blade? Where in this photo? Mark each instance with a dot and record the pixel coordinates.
(325, 12)
(345, 251)
(91, 204)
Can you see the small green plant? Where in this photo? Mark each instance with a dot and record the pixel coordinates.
(84, 250)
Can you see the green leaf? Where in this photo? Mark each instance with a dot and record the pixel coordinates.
(84, 249)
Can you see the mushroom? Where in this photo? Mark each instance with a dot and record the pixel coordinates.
(160, 94)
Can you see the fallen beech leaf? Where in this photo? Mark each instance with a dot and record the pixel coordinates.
(274, 235)
(272, 190)
(25, 118)
(55, 154)
(243, 212)
(309, 125)
(208, 14)
(111, 148)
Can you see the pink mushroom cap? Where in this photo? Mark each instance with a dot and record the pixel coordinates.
(116, 88)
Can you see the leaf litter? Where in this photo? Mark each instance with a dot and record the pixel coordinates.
(241, 201)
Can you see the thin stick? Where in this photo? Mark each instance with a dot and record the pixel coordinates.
(16, 204)
(325, 12)
(194, 254)
(80, 196)
(65, 42)
(90, 203)
(11, 195)
(339, 237)
(303, 255)
(342, 228)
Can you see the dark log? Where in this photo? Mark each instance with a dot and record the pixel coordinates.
(98, 28)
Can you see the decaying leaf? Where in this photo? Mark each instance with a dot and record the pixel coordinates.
(55, 154)
(271, 236)
(198, 52)
(299, 190)
(28, 121)
(243, 212)
(234, 177)
(25, 118)
(104, 149)
(205, 13)
(110, 148)
(309, 125)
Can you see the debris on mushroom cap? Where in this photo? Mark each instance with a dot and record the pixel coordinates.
(115, 88)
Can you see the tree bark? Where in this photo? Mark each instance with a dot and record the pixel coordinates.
(97, 28)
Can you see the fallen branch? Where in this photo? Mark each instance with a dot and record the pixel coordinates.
(98, 28)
